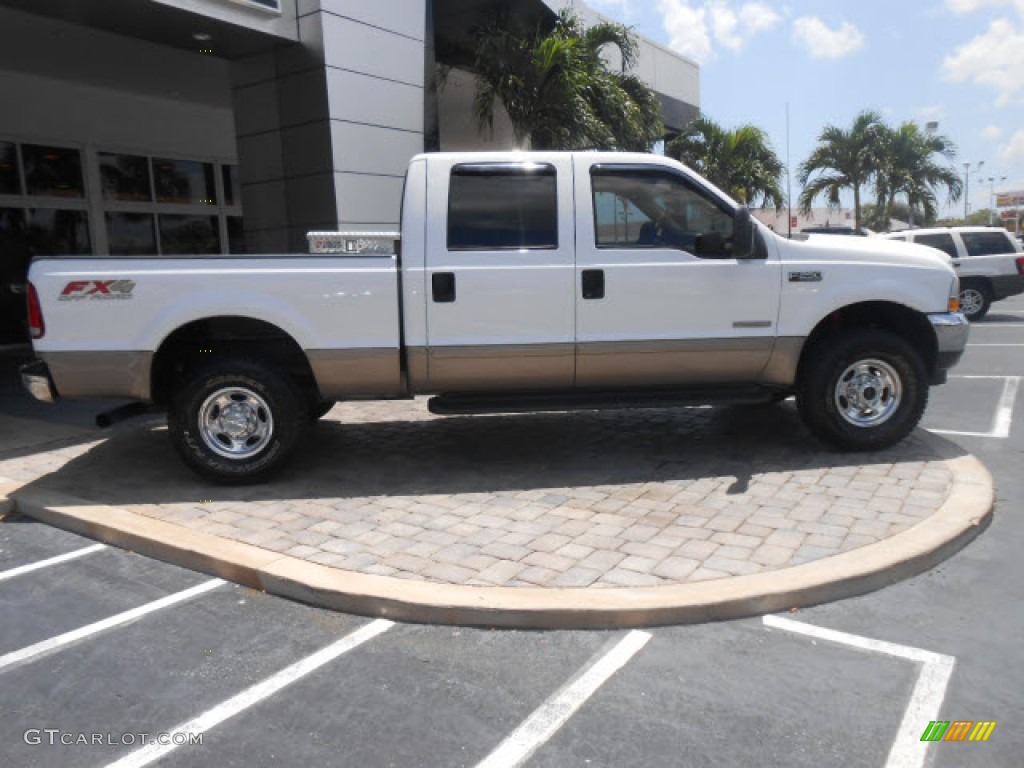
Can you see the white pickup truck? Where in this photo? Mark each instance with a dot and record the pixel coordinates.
(519, 282)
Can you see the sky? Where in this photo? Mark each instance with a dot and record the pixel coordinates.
(957, 62)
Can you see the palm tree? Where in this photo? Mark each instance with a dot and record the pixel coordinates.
(558, 89)
(740, 161)
(908, 168)
(842, 160)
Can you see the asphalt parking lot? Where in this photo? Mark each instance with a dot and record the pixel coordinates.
(107, 646)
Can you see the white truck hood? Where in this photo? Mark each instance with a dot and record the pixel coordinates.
(871, 250)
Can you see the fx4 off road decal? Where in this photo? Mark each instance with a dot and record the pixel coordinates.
(89, 290)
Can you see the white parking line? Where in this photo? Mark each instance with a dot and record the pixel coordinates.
(40, 564)
(254, 694)
(1004, 411)
(908, 751)
(556, 711)
(54, 643)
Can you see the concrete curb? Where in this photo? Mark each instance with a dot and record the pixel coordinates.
(964, 515)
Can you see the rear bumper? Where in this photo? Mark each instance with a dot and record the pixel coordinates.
(35, 376)
(951, 332)
(1006, 285)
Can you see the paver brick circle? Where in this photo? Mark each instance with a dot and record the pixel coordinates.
(608, 518)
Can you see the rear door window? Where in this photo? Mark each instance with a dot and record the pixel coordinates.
(499, 207)
(942, 240)
(987, 243)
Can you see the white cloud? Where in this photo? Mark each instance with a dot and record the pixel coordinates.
(759, 17)
(1013, 151)
(994, 59)
(992, 132)
(725, 24)
(822, 42)
(687, 28)
(970, 6)
(932, 111)
(695, 28)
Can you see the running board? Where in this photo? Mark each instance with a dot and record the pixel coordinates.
(529, 402)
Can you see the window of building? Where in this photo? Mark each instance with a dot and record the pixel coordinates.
(13, 249)
(141, 206)
(987, 243)
(157, 205)
(125, 177)
(495, 207)
(55, 232)
(188, 234)
(52, 171)
(131, 234)
(232, 190)
(641, 208)
(184, 182)
(9, 181)
(941, 240)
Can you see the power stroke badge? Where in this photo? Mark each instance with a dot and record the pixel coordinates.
(98, 290)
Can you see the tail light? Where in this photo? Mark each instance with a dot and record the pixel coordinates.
(1020, 265)
(35, 314)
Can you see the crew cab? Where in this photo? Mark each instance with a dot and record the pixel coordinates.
(518, 282)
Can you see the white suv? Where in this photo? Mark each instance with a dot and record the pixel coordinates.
(988, 261)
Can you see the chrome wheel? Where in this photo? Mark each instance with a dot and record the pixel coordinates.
(868, 393)
(235, 423)
(972, 301)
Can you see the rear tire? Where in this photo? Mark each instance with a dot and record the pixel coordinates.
(975, 300)
(863, 390)
(236, 421)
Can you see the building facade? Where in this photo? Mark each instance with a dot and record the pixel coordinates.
(236, 126)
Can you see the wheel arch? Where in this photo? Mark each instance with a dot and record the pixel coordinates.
(895, 318)
(198, 341)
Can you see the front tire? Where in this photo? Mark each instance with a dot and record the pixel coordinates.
(864, 390)
(236, 421)
(320, 408)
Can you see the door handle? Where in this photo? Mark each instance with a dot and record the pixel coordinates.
(442, 286)
(593, 283)
(956, 263)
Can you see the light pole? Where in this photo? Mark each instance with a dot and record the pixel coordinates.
(992, 197)
(967, 184)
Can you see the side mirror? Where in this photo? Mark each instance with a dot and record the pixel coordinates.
(743, 244)
(710, 244)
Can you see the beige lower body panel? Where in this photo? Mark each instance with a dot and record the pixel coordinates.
(504, 366)
(100, 374)
(628, 364)
(350, 373)
(342, 373)
(672, 362)
(784, 361)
